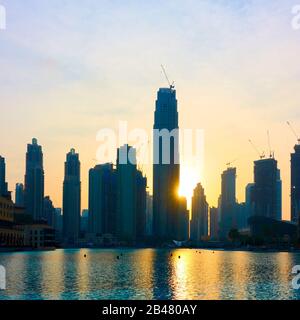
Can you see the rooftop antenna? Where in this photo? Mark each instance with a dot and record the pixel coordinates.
(171, 85)
(294, 132)
(261, 155)
(269, 143)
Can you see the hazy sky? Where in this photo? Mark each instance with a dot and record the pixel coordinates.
(69, 68)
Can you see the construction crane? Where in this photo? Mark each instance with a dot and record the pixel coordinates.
(269, 144)
(261, 155)
(171, 85)
(231, 162)
(294, 132)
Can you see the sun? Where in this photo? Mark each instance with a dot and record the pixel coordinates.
(189, 178)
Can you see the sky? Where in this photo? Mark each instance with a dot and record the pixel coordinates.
(69, 68)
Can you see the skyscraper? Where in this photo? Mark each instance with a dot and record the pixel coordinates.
(71, 199)
(199, 222)
(214, 223)
(149, 215)
(102, 199)
(3, 184)
(295, 184)
(228, 202)
(183, 220)
(278, 197)
(34, 181)
(166, 168)
(141, 206)
(49, 214)
(266, 189)
(19, 195)
(249, 201)
(126, 194)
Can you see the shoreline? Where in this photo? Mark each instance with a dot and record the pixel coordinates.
(217, 249)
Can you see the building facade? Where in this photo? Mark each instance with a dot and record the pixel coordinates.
(214, 223)
(102, 199)
(34, 181)
(141, 206)
(71, 199)
(295, 184)
(19, 195)
(265, 191)
(3, 184)
(199, 221)
(228, 218)
(166, 167)
(126, 195)
(10, 234)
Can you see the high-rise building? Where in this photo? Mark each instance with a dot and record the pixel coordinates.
(166, 168)
(34, 181)
(241, 216)
(249, 204)
(19, 195)
(295, 184)
(228, 202)
(149, 215)
(199, 222)
(49, 214)
(102, 199)
(214, 223)
(126, 194)
(3, 184)
(278, 197)
(183, 220)
(266, 189)
(71, 199)
(141, 206)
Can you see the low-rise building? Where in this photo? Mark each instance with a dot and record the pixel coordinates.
(10, 234)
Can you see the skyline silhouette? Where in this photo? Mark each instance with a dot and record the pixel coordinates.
(63, 88)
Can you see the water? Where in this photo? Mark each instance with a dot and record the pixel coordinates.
(149, 274)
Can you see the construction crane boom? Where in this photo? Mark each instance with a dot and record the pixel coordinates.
(171, 85)
(294, 132)
(261, 155)
(228, 164)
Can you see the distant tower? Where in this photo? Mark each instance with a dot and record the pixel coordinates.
(149, 215)
(266, 192)
(126, 194)
(295, 184)
(19, 195)
(228, 202)
(166, 174)
(102, 199)
(3, 183)
(249, 204)
(199, 222)
(34, 181)
(49, 212)
(71, 199)
(214, 223)
(141, 206)
(278, 197)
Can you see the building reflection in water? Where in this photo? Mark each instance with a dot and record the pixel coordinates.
(149, 274)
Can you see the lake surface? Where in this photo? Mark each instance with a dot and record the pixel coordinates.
(149, 274)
